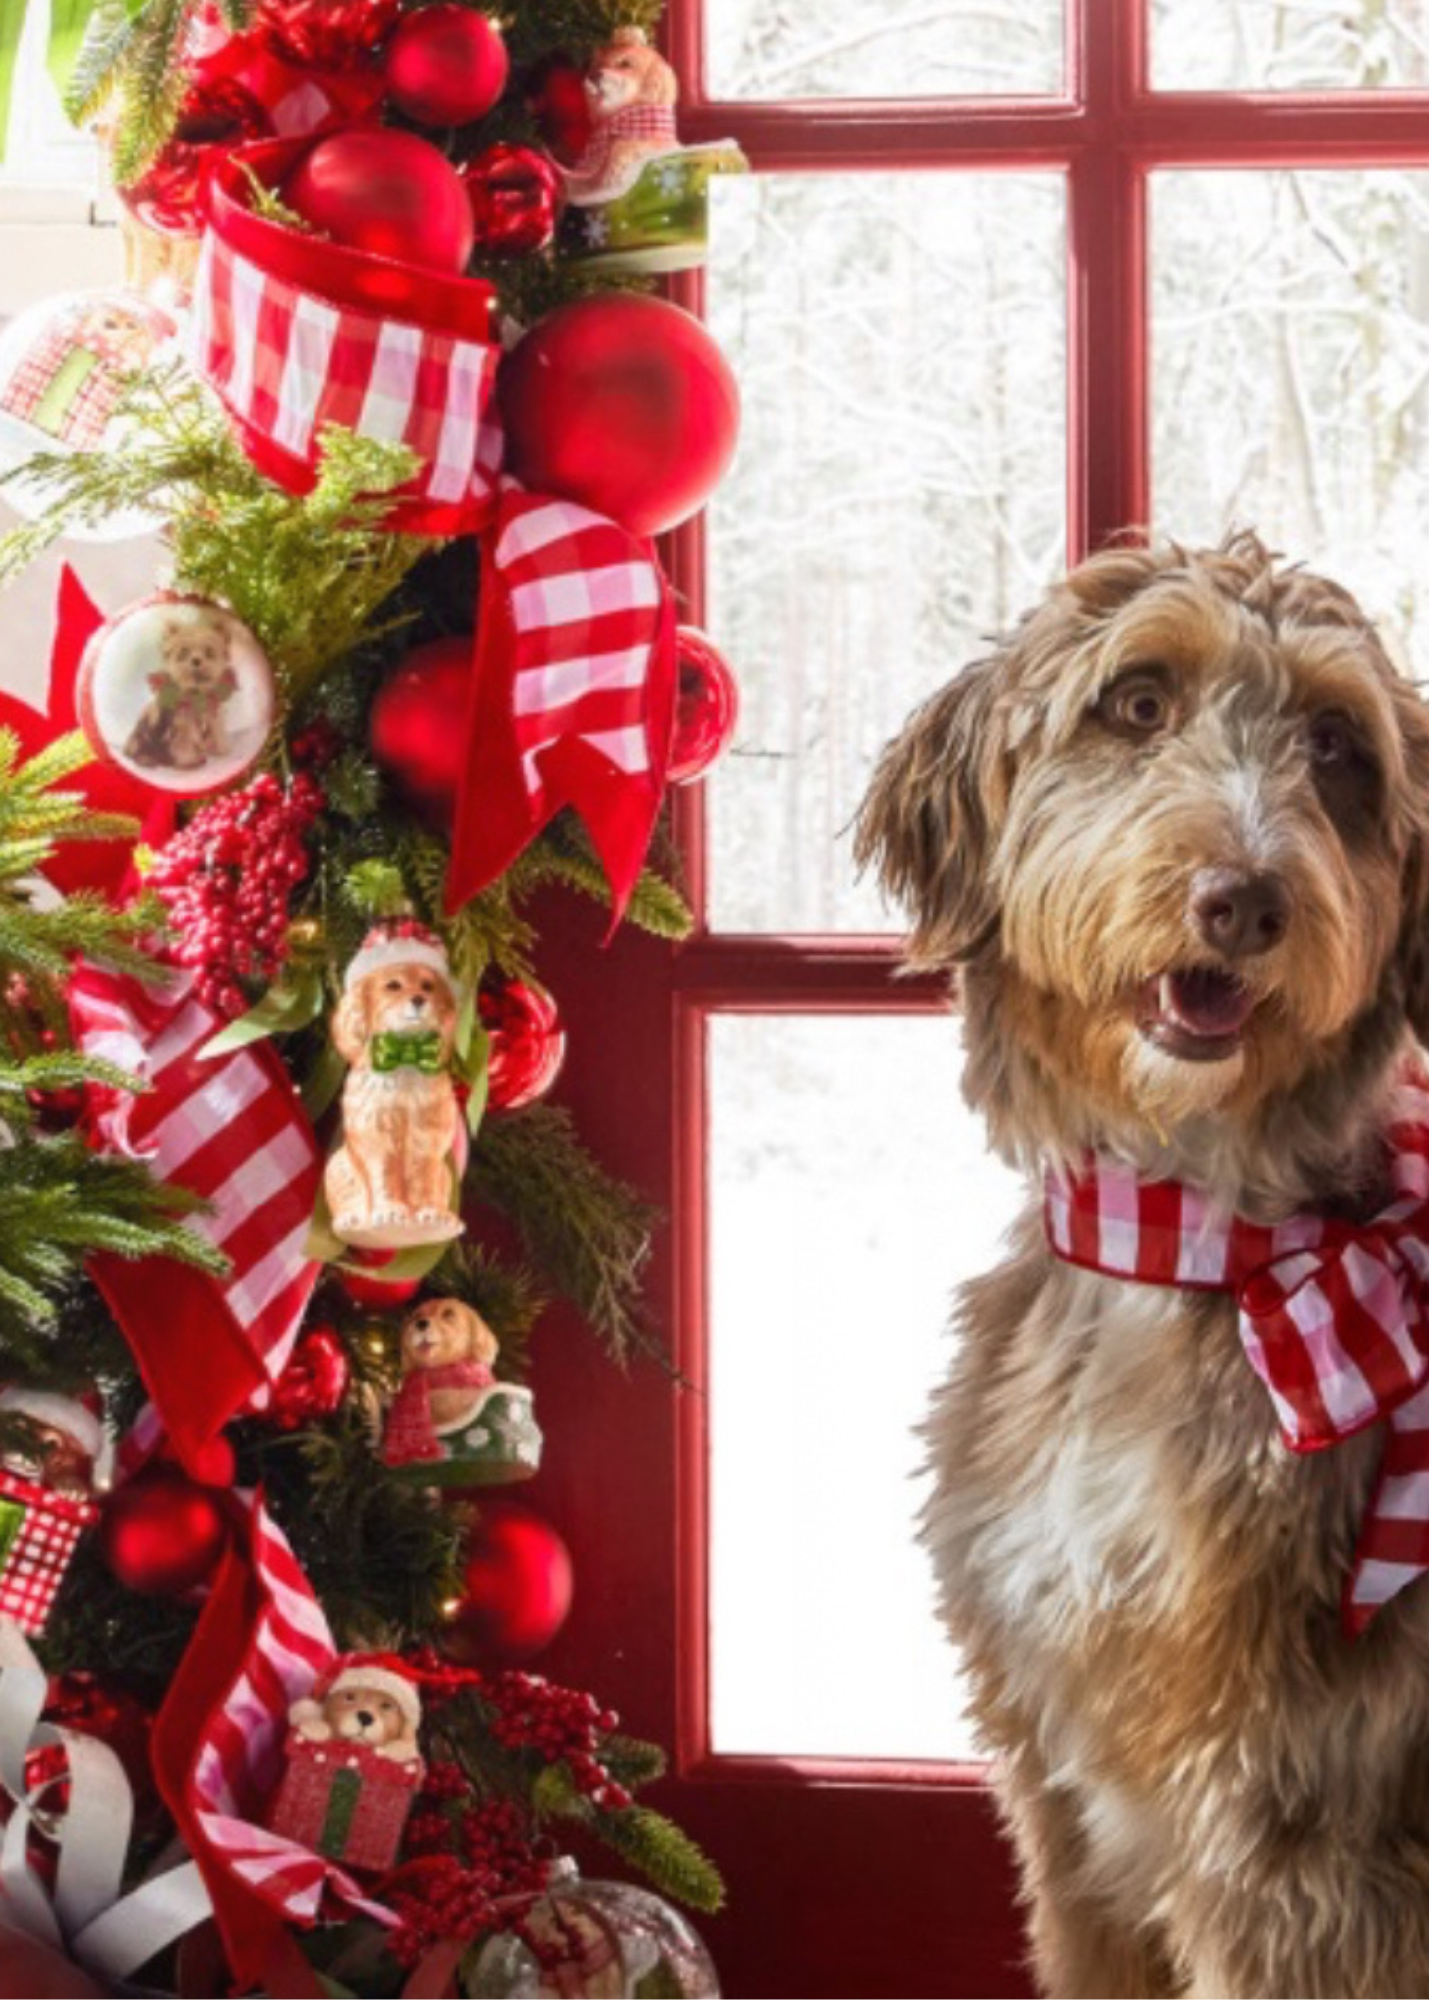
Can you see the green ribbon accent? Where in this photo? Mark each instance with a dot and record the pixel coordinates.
(420, 1052)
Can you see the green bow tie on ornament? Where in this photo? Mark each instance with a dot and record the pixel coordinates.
(420, 1052)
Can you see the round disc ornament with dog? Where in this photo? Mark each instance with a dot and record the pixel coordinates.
(65, 368)
(177, 692)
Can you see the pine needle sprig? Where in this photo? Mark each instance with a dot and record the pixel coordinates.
(586, 1232)
(564, 854)
(152, 86)
(662, 1851)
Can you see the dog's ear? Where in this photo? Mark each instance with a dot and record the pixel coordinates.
(349, 1024)
(933, 811)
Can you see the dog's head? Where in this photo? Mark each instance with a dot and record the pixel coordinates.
(1174, 835)
(628, 71)
(195, 652)
(401, 999)
(367, 1715)
(441, 1331)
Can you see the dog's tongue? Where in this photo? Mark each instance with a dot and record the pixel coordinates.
(1205, 1002)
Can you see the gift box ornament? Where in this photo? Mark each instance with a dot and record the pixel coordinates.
(48, 1448)
(353, 1763)
(638, 199)
(452, 1423)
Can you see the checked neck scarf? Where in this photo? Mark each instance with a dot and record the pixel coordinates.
(1334, 1316)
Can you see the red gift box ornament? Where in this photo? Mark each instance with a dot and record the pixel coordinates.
(353, 1762)
(47, 1456)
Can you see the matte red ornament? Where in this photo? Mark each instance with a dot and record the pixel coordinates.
(446, 64)
(314, 1382)
(325, 34)
(515, 199)
(557, 99)
(390, 194)
(417, 731)
(528, 1043)
(518, 1579)
(161, 1533)
(623, 404)
(706, 709)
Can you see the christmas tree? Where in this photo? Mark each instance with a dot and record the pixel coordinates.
(283, 1201)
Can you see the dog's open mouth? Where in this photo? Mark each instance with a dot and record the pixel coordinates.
(1196, 1012)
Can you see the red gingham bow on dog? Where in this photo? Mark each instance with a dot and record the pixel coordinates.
(1332, 1316)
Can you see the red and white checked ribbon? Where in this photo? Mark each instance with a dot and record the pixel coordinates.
(1334, 1317)
(574, 696)
(234, 1131)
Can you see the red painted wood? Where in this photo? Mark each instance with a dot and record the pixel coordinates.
(844, 1878)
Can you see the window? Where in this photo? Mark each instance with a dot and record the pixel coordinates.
(1008, 278)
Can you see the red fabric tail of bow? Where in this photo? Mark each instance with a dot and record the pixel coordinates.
(573, 698)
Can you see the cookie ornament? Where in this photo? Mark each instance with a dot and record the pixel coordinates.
(391, 1184)
(452, 1423)
(354, 1765)
(179, 693)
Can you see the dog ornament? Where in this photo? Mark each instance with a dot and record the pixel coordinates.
(354, 1764)
(451, 1422)
(391, 1182)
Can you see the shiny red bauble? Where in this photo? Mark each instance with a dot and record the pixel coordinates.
(446, 65)
(515, 198)
(623, 404)
(388, 193)
(324, 34)
(518, 1580)
(314, 1382)
(706, 707)
(369, 1287)
(528, 1043)
(557, 98)
(161, 1534)
(416, 728)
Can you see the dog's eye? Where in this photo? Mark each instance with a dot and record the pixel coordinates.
(1332, 740)
(1139, 704)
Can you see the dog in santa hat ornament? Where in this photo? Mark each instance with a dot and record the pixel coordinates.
(390, 1183)
(354, 1764)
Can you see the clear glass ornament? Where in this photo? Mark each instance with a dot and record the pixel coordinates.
(599, 1941)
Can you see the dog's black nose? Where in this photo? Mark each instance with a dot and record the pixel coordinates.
(1240, 915)
(419, 1001)
(366, 1717)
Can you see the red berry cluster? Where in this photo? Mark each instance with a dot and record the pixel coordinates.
(564, 1725)
(473, 1868)
(226, 879)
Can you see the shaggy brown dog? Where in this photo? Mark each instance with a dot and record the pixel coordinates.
(390, 1181)
(182, 722)
(1173, 837)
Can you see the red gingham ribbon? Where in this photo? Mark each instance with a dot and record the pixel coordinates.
(1332, 1316)
(233, 1130)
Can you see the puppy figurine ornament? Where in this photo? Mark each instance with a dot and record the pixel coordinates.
(451, 1422)
(353, 1762)
(1172, 839)
(390, 1183)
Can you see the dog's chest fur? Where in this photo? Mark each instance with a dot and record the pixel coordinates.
(1142, 1577)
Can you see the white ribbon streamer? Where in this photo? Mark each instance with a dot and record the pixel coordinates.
(109, 1934)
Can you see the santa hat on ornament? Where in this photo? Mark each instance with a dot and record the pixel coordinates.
(404, 942)
(387, 1673)
(78, 1417)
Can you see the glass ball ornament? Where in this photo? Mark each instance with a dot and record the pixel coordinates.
(597, 1939)
(64, 367)
(706, 708)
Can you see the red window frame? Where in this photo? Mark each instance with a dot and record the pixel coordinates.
(847, 1877)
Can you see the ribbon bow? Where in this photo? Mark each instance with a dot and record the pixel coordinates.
(1334, 1317)
(421, 1052)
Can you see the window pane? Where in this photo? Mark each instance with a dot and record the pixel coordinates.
(1289, 45)
(1291, 372)
(898, 492)
(850, 1190)
(902, 48)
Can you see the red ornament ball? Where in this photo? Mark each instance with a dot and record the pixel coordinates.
(314, 1382)
(528, 1043)
(416, 730)
(387, 193)
(446, 64)
(559, 102)
(161, 1533)
(369, 1288)
(515, 197)
(623, 404)
(518, 1580)
(706, 707)
(324, 34)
